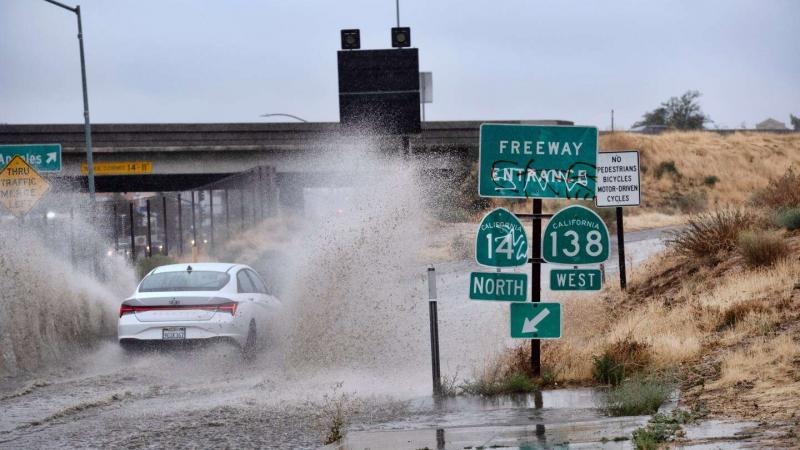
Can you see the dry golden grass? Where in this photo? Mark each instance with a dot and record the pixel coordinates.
(743, 162)
(678, 323)
(766, 359)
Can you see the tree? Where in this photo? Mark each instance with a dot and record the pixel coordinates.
(682, 112)
(795, 122)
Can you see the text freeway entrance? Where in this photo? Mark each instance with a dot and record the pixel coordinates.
(535, 161)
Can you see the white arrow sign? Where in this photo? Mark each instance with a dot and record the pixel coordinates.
(530, 324)
(51, 157)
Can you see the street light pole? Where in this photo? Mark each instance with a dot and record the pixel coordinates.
(87, 125)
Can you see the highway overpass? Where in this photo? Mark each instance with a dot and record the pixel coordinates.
(187, 155)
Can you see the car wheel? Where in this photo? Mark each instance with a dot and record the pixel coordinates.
(249, 349)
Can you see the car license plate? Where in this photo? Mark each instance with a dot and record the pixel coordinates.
(173, 333)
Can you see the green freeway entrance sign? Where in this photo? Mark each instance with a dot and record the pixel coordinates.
(536, 161)
(498, 286)
(42, 157)
(575, 280)
(501, 240)
(536, 320)
(575, 235)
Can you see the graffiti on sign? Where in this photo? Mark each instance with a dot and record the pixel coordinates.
(534, 161)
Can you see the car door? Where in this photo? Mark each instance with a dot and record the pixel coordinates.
(266, 303)
(247, 294)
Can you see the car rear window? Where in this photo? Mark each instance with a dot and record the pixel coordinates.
(197, 280)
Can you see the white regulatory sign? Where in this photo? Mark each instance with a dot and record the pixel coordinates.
(618, 179)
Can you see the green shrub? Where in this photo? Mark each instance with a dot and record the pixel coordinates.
(144, 266)
(711, 180)
(518, 383)
(666, 168)
(638, 395)
(661, 428)
(788, 218)
(762, 248)
(606, 370)
(708, 234)
(622, 358)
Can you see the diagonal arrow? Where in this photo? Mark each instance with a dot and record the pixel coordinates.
(51, 157)
(530, 324)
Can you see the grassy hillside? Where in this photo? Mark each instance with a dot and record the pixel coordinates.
(693, 171)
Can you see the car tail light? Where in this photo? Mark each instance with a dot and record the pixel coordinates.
(228, 307)
(125, 309)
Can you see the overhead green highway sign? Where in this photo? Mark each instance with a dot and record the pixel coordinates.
(536, 320)
(501, 240)
(498, 286)
(575, 280)
(575, 235)
(537, 161)
(41, 157)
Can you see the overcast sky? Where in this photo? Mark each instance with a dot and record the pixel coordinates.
(232, 60)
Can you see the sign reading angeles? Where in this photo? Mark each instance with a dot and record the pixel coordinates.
(537, 161)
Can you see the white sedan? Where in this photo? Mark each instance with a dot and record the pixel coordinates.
(198, 302)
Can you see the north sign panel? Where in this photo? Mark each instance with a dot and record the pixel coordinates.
(537, 161)
(498, 286)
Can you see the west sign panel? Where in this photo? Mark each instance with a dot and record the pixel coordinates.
(618, 179)
(537, 161)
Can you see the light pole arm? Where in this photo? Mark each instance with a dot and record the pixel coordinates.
(75, 10)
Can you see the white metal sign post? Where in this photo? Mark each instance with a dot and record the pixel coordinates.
(618, 185)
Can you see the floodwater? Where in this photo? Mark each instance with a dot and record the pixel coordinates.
(354, 337)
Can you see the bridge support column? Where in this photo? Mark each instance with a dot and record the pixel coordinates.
(290, 194)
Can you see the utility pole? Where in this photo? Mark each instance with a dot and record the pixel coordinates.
(612, 120)
(397, 8)
(87, 125)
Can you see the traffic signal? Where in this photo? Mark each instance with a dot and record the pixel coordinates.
(401, 37)
(351, 39)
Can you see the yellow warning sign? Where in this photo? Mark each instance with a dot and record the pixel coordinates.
(21, 186)
(120, 168)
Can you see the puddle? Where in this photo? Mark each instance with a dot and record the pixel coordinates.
(718, 434)
(567, 418)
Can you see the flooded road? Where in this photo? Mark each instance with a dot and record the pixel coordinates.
(104, 398)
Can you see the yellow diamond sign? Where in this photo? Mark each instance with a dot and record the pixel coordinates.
(21, 186)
